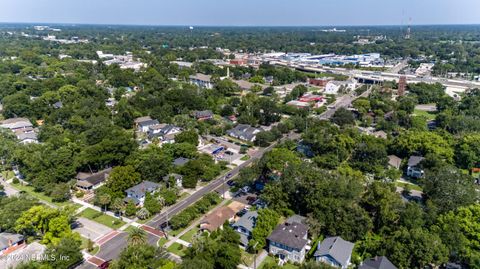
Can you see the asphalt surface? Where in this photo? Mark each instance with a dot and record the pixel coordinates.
(112, 248)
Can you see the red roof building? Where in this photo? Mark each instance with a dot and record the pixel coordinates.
(319, 82)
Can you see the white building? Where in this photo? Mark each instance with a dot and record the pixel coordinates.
(334, 87)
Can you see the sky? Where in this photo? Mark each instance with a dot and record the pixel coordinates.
(242, 12)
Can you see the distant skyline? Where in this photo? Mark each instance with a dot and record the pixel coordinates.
(242, 12)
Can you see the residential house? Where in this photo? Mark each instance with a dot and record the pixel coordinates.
(311, 98)
(217, 218)
(202, 81)
(162, 131)
(380, 134)
(58, 105)
(203, 115)
(137, 193)
(178, 162)
(377, 263)
(289, 241)
(244, 226)
(334, 87)
(10, 242)
(319, 82)
(299, 104)
(335, 252)
(144, 123)
(394, 161)
(178, 179)
(26, 137)
(91, 181)
(244, 132)
(16, 124)
(412, 168)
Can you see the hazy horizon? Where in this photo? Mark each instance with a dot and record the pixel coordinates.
(244, 13)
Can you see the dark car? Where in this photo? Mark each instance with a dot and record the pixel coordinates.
(231, 183)
(229, 175)
(105, 265)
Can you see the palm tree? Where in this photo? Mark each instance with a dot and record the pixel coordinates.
(137, 236)
(118, 205)
(104, 200)
(143, 213)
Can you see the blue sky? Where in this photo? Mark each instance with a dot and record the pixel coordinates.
(242, 12)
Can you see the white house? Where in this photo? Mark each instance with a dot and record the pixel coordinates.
(289, 241)
(334, 86)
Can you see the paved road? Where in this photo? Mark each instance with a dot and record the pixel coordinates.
(91, 229)
(344, 101)
(112, 248)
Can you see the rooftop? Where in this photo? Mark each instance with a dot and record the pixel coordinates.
(336, 248)
(377, 263)
(214, 220)
(291, 234)
(414, 160)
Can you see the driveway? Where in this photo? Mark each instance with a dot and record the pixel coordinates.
(30, 252)
(91, 229)
(9, 191)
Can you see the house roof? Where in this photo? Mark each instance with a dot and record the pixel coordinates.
(16, 123)
(377, 263)
(394, 161)
(380, 134)
(142, 119)
(337, 248)
(7, 239)
(290, 234)
(214, 220)
(180, 161)
(201, 77)
(244, 131)
(247, 221)
(414, 160)
(141, 189)
(92, 179)
(175, 176)
(25, 136)
(148, 123)
(203, 114)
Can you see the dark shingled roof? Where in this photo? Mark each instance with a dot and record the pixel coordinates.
(290, 234)
(414, 160)
(377, 263)
(336, 248)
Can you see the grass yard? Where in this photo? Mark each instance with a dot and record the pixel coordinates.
(412, 186)
(177, 249)
(188, 236)
(183, 196)
(245, 158)
(39, 195)
(247, 258)
(102, 218)
(162, 242)
(426, 114)
(271, 260)
(8, 174)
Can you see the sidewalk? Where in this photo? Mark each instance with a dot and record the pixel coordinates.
(260, 257)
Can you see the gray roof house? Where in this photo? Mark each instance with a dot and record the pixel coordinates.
(203, 115)
(145, 125)
(201, 80)
(244, 226)
(289, 241)
(244, 132)
(90, 181)
(16, 123)
(413, 170)
(178, 179)
(394, 161)
(377, 263)
(137, 193)
(180, 161)
(335, 252)
(10, 242)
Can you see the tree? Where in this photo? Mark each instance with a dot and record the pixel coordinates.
(189, 136)
(141, 256)
(459, 231)
(467, 152)
(118, 205)
(143, 213)
(152, 163)
(343, 117)
(267, 220)
(137, 236)
(120, 179)
(104, 200)
(423, 142)
(151, 204)
(130, 209)
(370, 155)
(61, 192)
(65, 254)
(448, 188)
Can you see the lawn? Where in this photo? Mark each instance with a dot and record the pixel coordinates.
(247, 258)
(245, 158)
(412, 186)
(8, 174)
(39, 195)
(177, 249)
(270, 260)
(188, 236)
(162, 241)
(102, 218)
(426, 114)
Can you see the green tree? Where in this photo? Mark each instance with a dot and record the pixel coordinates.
(152, 204)
(267, 221)
(120, 179)
(130, 209)
(65, 254)
(137, 237)
(343, 117)
(189, 136)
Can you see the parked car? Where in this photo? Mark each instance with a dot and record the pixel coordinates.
(231, 183)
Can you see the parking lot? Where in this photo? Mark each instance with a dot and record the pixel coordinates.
(91, 229)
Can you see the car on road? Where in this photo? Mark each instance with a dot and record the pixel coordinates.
(229, 175)
(231, 183)
(105, 264)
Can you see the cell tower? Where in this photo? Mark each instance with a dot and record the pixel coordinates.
(408, 35)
